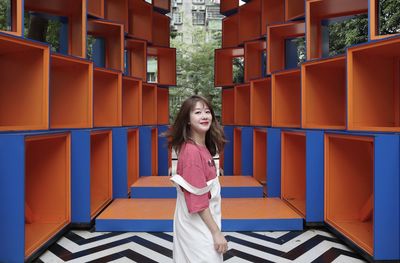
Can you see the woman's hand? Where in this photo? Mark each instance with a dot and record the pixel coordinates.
(220, 243)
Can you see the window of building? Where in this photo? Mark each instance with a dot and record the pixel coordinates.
(198, 17)
(178, 1)
(213, 12)
(177, 17)
(198, 2)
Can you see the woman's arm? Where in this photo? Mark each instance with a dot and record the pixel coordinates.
(220, 243)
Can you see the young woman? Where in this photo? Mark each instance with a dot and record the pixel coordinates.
(196, 136)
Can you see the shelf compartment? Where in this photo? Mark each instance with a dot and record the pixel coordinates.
(373, 88)
(294, 170)
(133, 157)
(23, 101)
(273, 12)
(227, 7)
(230, 31)
(324, 93)
(317, 11)
(228, 112)
(166, 64)
(162, 105)
(113, 35)
(161, 30)
(137, 58)
(162, 6)
(286, 101)
(223, 61)
(242, 104)
(294, 9)
(16, 20)
(277, 36)
(96, 8)
(100, 170)
(76, 11)
(255, 57)
(107, 98)
(148, 151)
(249, 21)
(374, 24)
(243, 151)
(149, 104)
(131, 101)
(260, 155)
(71, 92)
(117, 11)
(140, 20)
(260, 102)
(237, 151)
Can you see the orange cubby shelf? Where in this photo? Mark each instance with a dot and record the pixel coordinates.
(294, 9)
(260, 155)
(286, 101)
(373, 88)
(100, 170)
(162, 6)
(228, 112)
(276, 37)
(272, 12)
(160, 30)
(254, 52)
(113, 35)
(293, 169)
(324, 93)
(71, 92)
(149, 104)
(249, 21)
(15, 27)
(137, 58)
(242, 104)
(140, 20)
(162, 106)
(107, 98)
(342, 173)
(230, 31)
(24, 101)
(75, 11)
(317, 11)
(131, 101)
(223, 65)
(166, 64)
(374, 13)
(47, 188)
(96, 8)
(228, 6)
(260, 102)
(133, 157)
(237, 151)
(117, 11)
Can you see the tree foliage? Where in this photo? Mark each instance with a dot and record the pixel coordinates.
(389, 17)
(5, 15)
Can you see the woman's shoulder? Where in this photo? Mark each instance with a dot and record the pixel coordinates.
(189, 151)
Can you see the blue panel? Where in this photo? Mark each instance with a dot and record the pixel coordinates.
(314, 176)
(162, 152)
(242, 192)
(64, 37)
(98, 55)
(80, 176)
(153, 192)
(262, 224)
(120, 162)
(134, 225)
(290, 53)
(273, 162)
(247, 150)
(12, 198)
(386, 198)
(145, 151)
(228, 151)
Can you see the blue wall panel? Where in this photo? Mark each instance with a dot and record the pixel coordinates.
(273, 162)
(120, 162)
(247, 150)
(145, 151)
(228, 151)
(162, 151)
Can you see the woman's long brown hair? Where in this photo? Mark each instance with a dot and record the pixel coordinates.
(179, 131)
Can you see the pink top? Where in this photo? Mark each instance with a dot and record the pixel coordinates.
(196, 166)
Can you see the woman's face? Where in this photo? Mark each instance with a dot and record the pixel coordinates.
(200, 118)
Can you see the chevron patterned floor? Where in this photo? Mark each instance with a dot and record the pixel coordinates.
(296, 246)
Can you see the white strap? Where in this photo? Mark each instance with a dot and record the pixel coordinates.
(177, 179)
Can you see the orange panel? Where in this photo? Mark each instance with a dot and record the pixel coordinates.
(47, 188)
(95, 8)
(16, 18)
(286, 101)
(260, 102)
(162, 106)
(149, 104)
(253, 55)
(294, 9)
(237, 151)
(133, 157)
(227, 6)
(113, 34)
(140, 19)
(230, 31)
(23, 100)
(131, 101)
(163, 5)
(154, 151)
(107, 98)
(293, 169)
(71, 92)
(223, 69)
(250, 21)
(260, 155)
(117, 11)
(348, 163)
(166, 63)
(276, 36)
(228, 116)
(100, 170)
(324, 93)
(242, 104)
(137, 57)
(373, 88)
(161, 29)
(273, 12)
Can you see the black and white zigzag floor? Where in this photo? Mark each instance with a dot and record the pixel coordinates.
(295, 246)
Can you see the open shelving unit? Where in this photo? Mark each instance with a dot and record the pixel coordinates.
(166, 64)
(140, 20)
(160, 30)
(255, 57)
(16, 19)
(136, 58)
(294, 9)
(249, 21)
(260, 155)
(162, 106)
(242, 104)
(96, 8)
(227, 111)
(228, 6)
(117, 11)
(131, 101)
(223, 65)
(149, 104)
(162, 6)
(272, 12)
(230, 31)
(260, 102)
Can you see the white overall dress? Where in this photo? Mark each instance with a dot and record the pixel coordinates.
(193, 241)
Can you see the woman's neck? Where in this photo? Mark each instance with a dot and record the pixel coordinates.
(198, 139)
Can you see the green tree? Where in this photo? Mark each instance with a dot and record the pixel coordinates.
(5, 15)
(389, 17)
